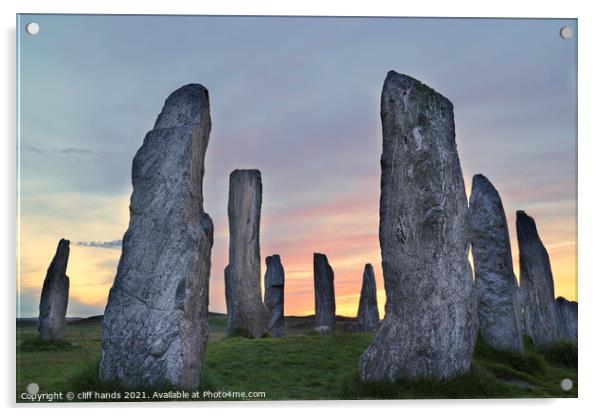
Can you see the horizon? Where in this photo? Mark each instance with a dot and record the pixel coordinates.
(305, 112)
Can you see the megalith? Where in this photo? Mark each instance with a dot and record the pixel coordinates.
(367, 314)
(567, 315)
(274, 295)
(540, 312)
(430, 325)
(495, 281)
(55, 296)
(246, 313)
(324, 294)
(155, 325)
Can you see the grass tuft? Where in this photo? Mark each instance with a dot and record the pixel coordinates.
(563, 353)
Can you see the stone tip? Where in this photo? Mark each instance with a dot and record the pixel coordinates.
(184, 106)
(480, 181)
(274, 257)
(396, 79)
(64, 242)
(525, 225)
(479, 177)
(250, 172)
(319, 255)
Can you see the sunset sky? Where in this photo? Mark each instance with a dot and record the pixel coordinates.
(298, 99)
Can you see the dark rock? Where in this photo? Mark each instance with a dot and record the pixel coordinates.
(274, 295)
(155, 326)
(367, 314)
(352, 327)
(323, 330)
(324, 292)
(55, 296)
(537, 284)
(494, 277)
(246, 312)
(430, 324)
(568, 319)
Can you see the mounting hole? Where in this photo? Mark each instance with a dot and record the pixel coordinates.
(566, 384)
(33, 388)
(32, 28)
(566, 32)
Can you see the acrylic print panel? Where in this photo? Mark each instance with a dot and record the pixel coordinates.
(268, 208)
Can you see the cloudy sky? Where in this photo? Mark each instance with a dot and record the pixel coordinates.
(297, 98)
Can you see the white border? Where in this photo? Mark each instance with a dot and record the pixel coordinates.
(589, 186)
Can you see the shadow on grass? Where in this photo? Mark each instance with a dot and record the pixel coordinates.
(37, 344)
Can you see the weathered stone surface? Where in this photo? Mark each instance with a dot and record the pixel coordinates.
(430, 324)
(520, 301)
(494, 277)
(274, 295)
(537, 284)
(155, 325)
(55, 296)
(246, 312)
(568, 319)
(324, 292)
(367, 314)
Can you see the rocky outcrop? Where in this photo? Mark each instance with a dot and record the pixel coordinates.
(246, 313)
(430, 325)
(274, 295)
(568, 319)
(537, 284)
(494, 277)
(155, 325)
(324, 293)
(55, 296)
(367, 314)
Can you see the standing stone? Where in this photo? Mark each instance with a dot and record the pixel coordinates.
(367, 314)
(155, 325)
(492, 256)
(324, 294)
(274, 295)
(539, 307)
(430, 323)
(567, 315)
(246, 312)
(55, 296)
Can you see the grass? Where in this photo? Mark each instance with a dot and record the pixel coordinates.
(300, 366)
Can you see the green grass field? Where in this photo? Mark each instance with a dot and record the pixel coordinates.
(299, 366)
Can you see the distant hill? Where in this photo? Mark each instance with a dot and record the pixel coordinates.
(98, 318)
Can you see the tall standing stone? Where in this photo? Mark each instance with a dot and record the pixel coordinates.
(155, 325)
(494, 277)
(539, 305)
(567, 315)
(246, 312)
(430, 324)
(324, 293)
(55, 296)
(367, 314)
(274, 295)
